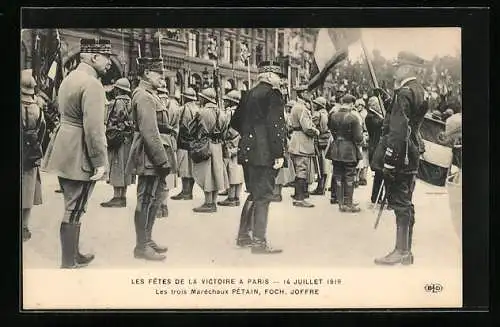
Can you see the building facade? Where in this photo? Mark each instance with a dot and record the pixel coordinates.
(189, 54)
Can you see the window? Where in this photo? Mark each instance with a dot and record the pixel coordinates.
(193, 48)
(228, 51)
(259, 53)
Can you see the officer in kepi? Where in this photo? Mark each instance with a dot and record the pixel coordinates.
(399, 150)
(33, 131)
(345, 152)
(81, 102)
(261, 124)
(301, 146)
(149, 157)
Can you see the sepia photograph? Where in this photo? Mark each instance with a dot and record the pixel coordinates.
(241, 168)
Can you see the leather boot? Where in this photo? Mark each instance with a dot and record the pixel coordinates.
(320, 188)
(143, 250)
(149, 232)
(69, 236)
(115, 203)
(348, 203)
(206, 208)
(26, 234)
(244, 239)
(401, 253)
(187, 190)
(261, 215)
(260, 246)
(83, 259)
(300, 186)
(339, 190)
(229, 203)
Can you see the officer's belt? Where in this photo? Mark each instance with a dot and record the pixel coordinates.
(297, 129)
(72, 123)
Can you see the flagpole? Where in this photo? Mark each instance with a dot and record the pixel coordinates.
(373, 76)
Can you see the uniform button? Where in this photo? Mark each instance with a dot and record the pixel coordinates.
(275, 125)
(278, 134)
(250, 136)
(248, 149)
(239, 149)
(246, 160)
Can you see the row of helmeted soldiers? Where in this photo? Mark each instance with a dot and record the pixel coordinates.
(146, 137)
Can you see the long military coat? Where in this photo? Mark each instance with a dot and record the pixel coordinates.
(79, 143)
(147, 151)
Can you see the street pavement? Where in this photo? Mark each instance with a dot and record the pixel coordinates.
(317, 238)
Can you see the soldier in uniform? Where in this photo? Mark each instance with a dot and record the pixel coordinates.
(150, 158)
(120, 120)
(361, 170)
(230, 146)
(301, 147)
(168, 124)
(260, 122)
(210, 174)
(33, 132)
(344, 152)
(320, 120)
(286, 174)
(187, 114)
(77, 153)
(399, 151)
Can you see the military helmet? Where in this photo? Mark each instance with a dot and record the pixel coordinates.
(233, 96)
(209, 94)
(320, 101)
(347, 99)
(190, 93)
(122, 84)
(28, 82)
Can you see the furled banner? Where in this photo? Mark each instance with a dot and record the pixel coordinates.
(330, 49)
(437, 158)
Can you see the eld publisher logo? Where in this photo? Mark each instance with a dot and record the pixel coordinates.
(433, 288)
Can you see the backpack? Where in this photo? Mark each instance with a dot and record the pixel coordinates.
(32, 147)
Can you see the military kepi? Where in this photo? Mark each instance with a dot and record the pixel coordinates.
(97, 45)
(153, 64)
(408, 58)
(270, 67)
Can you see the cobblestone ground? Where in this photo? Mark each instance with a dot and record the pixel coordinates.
(317, 237)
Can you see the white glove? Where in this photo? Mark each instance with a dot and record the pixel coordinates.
(98, 173)
(278, 163)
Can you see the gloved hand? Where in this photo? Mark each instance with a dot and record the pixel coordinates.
(163, 171)
(389, 173)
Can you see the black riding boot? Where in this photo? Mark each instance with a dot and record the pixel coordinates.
(299, 194)
(401, 253)
(83, 259)
(143, 250)
(149, 231)
(69, 235)
(348, 202)
(244, 239)
(260, 245)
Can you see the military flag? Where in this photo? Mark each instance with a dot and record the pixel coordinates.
(437, 158)
(330, 49)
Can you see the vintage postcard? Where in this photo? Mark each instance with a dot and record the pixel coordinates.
(241, 168)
